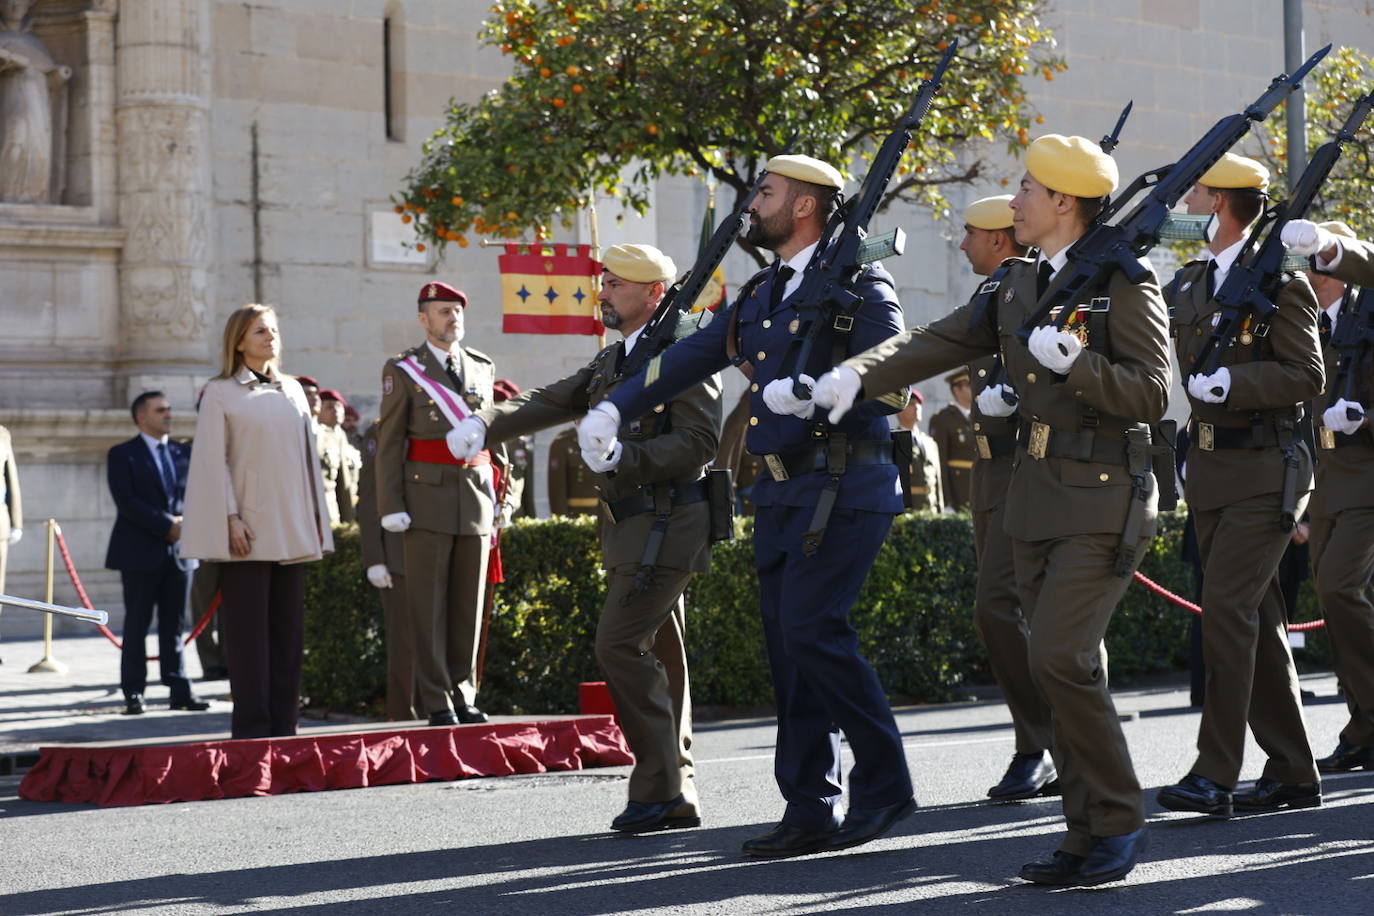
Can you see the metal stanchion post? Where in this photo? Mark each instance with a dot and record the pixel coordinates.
(48, 663)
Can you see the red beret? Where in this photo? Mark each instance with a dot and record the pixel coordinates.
(442, 292)
(332, 394)
(917, 396)
(503, 389)
(307, 381)
(351, 411)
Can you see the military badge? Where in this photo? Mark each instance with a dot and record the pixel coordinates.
(372, 446)
(386, 384)
(472, 398)
(1008, 295)
(433, 416)
(1187, 285)
(431, 290)
(793, 325)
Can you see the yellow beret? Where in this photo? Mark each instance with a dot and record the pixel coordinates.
(1071, 165)
(1336, 227)
(804, 168)
(1232, 171)
(639, 263)
(990, 213)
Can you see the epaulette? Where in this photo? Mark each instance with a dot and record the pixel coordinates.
(986, 295)
(478, 355)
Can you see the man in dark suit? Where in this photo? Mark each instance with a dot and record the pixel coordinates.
(147, 478)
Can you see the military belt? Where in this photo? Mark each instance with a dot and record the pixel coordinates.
(1328, 438)
(1210, 437)
(1041, 440)
(642, 500)
(994, 446)
(813, 458)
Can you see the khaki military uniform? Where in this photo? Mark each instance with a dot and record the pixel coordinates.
(1342, 537)
(953, 433)
(997, 612)
(1234, 485)
(451, 510)
(1064, 514)
(927, 494)
(572, 485)
(387, 548)
(744, 466)
(639, 638)
(339, 463)
(11, 502)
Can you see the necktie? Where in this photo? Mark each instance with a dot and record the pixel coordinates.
(1211, 278)
(779, 284)
(169, 476)
(451, 369)
(1324, 323)
(1042, 279)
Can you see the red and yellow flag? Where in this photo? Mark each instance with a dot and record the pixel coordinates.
(549, 293)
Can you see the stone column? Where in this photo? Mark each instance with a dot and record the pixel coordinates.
(162, 118)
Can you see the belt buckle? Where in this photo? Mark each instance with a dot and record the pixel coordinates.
(984, 447)
(1039, 440)
(775, 467)
(1327, 437)
(1206, 436)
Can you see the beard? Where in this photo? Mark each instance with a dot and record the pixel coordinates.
(769, 232)
(610, 318)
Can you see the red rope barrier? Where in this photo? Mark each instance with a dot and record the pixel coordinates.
(1191, 608)
(105, 631)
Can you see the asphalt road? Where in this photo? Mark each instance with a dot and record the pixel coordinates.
(539, 844)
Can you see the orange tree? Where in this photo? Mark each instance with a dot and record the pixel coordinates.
(1331, 91)
(611, 94)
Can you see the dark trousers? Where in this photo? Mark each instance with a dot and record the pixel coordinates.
(210, 642)
(164, 591)
(264, 642)
(822, 685)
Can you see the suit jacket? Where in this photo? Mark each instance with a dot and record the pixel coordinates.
(138, 542)
(255, 457)
(572, 485)
(1271, 377)
(1345, 475)
(953, 434)
(927, 492)
(380, 547)
(443, 498)
(12, 506)
(1128, 384)
(671, 444)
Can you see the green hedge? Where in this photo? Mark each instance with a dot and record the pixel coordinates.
(914, 617)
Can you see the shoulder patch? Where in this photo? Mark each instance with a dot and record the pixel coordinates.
(386, 384)
(895, 399)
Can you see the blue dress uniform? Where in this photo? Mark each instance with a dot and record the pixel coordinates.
(821, 683)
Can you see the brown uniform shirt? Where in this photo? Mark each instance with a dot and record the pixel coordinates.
(572, 485)
(953, 433)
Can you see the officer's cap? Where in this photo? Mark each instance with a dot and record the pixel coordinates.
(990, 213)
(805, 168)
(957, 376)
(639, 263)
(1232, 171)
(1071, 165)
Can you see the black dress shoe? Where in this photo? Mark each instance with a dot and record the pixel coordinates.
(1271, 795)
(446, 717)
(190, 704)
(784, 840)
(864, 824)
(1027, 776)
(1060, 869)
(133, 705)
(1347, 757)
(1112, 857)
(471, 715)
(1196, 793)
(643, 817)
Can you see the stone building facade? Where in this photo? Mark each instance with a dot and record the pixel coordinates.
(217, 153)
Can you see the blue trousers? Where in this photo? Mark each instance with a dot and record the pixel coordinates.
(821, 684)
(165, 592)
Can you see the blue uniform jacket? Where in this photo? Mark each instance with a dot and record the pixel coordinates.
(138, 542)
(765, 335)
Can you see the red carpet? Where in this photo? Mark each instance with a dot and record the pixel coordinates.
(142, 775)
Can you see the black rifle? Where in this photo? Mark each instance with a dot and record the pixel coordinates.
(1252, 283)
(666, 324)
(1105, 249)
(1352, 338)
(826, 295)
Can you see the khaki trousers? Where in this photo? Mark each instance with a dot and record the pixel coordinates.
(402, 699)
(446, 576)
(1000, 624)
(639, 644)
(1250, 673)
(210, 642)
(1069, 593)
(1342, 562)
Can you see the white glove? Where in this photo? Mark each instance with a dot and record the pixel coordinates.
(991, 402)
(837, 390)
(503, 518)
(1336, 417)
(1306, 238)
(1054, 349)
(597, 431)
(601, 462)
(467, 439)
(778, 395)
(379, 576)
(396, 522)
(16, 534)
(1211, 389)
